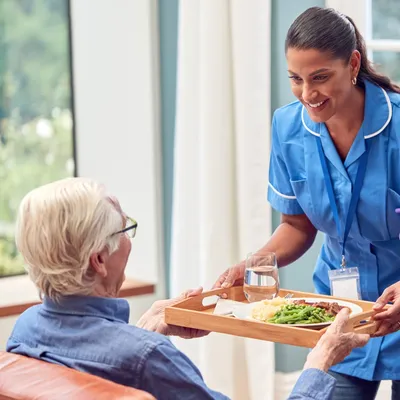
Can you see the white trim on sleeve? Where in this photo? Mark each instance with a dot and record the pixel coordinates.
(285, 196)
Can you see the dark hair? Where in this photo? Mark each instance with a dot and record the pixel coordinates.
(325, 29)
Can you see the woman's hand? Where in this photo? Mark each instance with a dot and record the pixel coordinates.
(388, 318)
(231, 277)
(154, 319)
(302, 235)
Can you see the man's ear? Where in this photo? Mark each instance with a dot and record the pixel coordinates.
(98, 263)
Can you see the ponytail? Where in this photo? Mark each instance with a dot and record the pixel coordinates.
(367, 71)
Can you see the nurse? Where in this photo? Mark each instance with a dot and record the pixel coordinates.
(335, 168)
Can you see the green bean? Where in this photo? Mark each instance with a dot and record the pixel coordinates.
(300, 314)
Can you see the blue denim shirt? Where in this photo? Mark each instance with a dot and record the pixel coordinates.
(92, 334)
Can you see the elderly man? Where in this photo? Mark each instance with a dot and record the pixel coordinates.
(76, 240)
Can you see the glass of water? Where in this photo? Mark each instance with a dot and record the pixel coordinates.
(261, 279)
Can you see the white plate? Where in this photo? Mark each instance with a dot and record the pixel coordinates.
(244, 311)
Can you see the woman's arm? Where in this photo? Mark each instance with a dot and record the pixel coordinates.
(293, 237)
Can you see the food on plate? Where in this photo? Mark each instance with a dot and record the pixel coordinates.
(300, 314)
(283, 311)
(331, 308)
(266, 309)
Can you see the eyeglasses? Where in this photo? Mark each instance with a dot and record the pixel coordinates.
(131, 229)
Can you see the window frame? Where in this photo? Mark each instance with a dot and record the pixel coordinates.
(361, 13)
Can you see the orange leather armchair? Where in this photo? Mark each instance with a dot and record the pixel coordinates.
(23, 378)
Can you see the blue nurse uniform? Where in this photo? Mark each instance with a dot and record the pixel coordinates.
(297, 186)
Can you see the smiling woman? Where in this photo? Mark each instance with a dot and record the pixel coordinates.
(321, 70)
(334, 161)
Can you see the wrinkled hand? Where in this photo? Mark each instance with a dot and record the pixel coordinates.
(388, 318)
(336, 343)
(154, 318)
(231, 277)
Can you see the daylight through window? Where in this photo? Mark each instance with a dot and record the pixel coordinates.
(36, 121)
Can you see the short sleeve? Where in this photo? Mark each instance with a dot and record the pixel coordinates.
(280, 191)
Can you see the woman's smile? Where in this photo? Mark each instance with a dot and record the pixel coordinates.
(316, 107)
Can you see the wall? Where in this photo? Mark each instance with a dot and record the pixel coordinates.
(299, 275)
(117, 115)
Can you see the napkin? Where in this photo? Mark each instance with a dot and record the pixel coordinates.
(225, 306)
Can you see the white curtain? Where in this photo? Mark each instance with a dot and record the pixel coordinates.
(222, 144)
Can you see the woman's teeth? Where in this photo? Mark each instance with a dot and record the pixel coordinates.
(316, 104)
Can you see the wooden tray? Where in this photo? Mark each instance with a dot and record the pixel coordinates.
(191, 313)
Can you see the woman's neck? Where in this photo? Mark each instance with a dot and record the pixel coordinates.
(347, 122)
(344, 126)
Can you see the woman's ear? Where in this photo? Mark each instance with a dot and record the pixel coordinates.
(98, 263)
(355, 63)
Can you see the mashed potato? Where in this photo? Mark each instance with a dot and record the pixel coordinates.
(266, 309)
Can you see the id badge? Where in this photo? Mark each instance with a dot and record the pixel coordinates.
(345, 282)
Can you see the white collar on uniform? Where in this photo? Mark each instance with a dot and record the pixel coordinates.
(377, 112)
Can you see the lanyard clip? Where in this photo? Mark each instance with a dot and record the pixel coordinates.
(343, 265)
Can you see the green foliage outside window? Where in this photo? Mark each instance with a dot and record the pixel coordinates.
(36, 136)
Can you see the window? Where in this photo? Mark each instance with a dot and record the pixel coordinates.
(385, 33)
(36, 122)
(379, 23)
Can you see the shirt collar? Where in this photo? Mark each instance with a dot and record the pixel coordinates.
(377, 113)
(102, 307)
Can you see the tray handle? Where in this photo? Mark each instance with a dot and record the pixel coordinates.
(368, 327)
(355, 321)
(196, 302)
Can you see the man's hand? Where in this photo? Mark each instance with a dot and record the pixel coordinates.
(336, 344)
(154, 319)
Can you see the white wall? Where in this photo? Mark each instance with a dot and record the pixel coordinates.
(116, 91)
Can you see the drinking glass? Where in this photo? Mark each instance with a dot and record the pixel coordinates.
(261, 279)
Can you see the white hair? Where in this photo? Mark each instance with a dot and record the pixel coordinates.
(59, 226)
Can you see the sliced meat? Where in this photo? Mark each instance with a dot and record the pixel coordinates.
(334, 308)
(322, 304)
(299, 302)
(331, 308)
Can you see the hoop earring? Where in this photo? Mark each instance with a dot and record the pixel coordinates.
(354, 81)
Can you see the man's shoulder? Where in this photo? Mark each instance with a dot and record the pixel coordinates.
(25, 320)
(99, 339)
